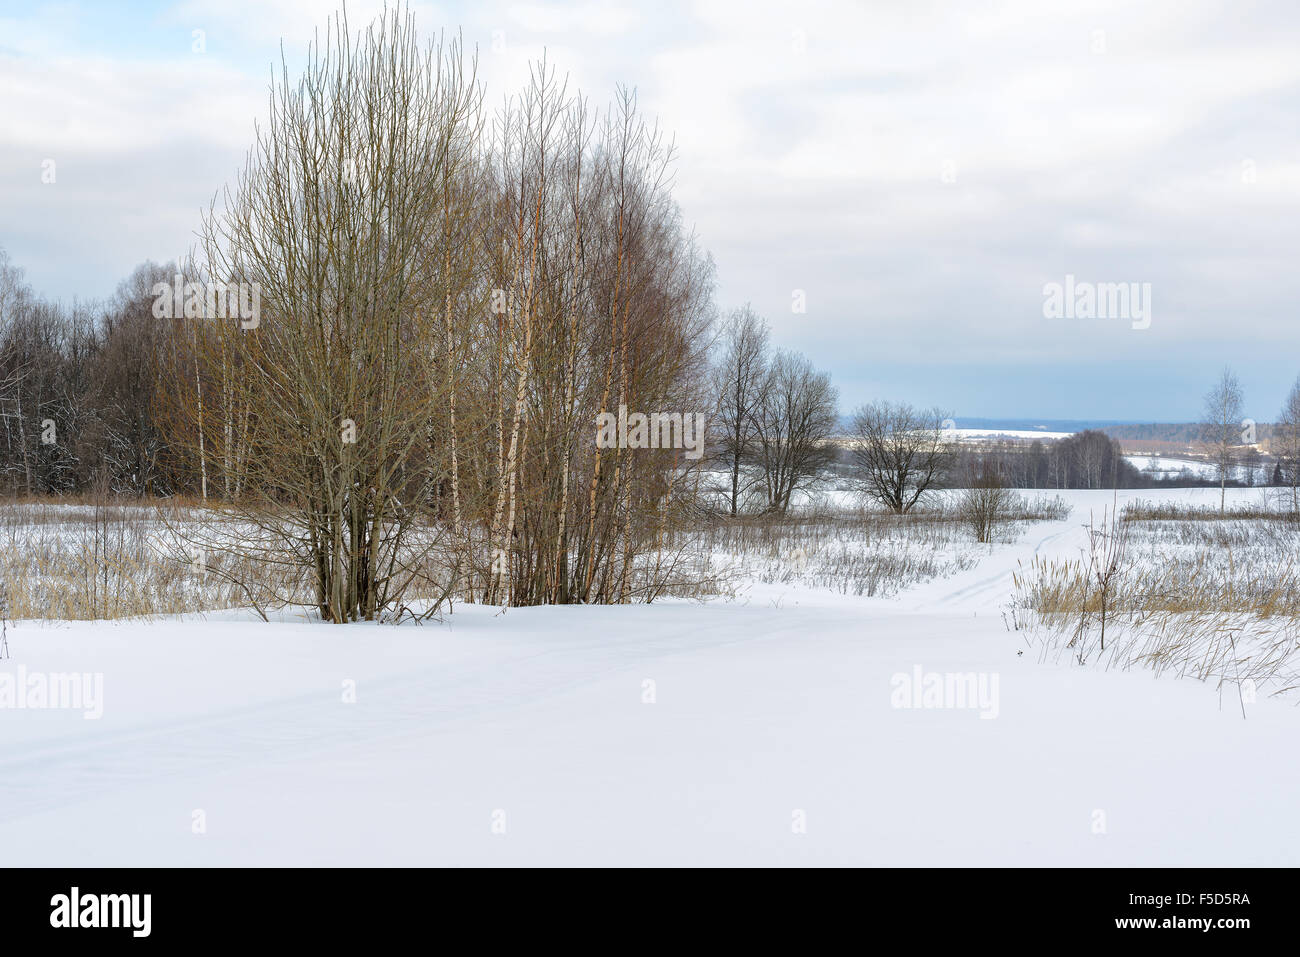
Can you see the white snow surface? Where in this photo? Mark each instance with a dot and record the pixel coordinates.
(523, 739)
(962, 434)
(1172, 466)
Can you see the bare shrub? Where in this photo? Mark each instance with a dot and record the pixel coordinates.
(986, 505)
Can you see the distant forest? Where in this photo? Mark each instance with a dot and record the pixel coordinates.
(1085, 460)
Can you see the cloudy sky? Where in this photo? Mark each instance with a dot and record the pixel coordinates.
(917, 171)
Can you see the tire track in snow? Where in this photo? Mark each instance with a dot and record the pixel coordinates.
(997, 585)
(432, 701)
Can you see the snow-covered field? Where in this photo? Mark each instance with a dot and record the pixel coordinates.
(764, 730)
(1172, 467)
(971, 434)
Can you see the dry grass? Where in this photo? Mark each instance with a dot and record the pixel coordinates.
(1216, 598)
(91, 558)
(89, 561)
(864, 552)
(1144, 511)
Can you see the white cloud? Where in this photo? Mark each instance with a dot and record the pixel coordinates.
(815, 141)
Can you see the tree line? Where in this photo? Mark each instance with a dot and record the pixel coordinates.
(78, 392)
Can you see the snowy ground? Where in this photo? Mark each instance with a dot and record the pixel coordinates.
(963, 435)
(528, 738)
(1168, 467)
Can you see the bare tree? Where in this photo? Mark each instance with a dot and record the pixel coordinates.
(900, 451)
(602, 308)
(1286, 443)
(1222, 427)
(335, 219)
(794, 423)
(739, 379)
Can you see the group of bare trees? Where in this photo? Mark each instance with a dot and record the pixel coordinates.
(449, 300)
(77, 395)
(1089, 459)
(775, 417)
